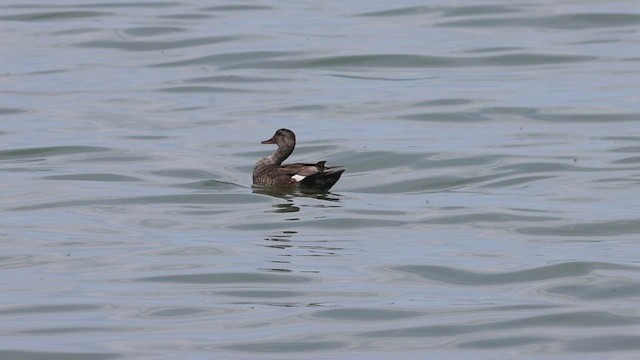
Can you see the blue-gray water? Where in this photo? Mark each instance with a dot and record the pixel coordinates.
(489, 211)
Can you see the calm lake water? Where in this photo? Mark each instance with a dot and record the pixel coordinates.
(490, 209)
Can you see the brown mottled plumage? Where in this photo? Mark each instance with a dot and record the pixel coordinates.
(270, 172)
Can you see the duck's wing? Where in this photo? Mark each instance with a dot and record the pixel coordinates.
(313, 176)
(300, 171)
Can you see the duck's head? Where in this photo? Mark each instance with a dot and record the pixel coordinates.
(282, 138)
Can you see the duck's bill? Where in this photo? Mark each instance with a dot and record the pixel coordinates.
(270, 141)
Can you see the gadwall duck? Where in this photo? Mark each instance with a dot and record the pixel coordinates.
(270, 172)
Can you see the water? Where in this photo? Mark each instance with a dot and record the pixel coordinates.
(489, 209)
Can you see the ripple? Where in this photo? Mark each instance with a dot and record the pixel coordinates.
(209, 185)
(10, 111)
(627, 149)
(550, 115)
(144, 31)
(516, 181)
(40, 152)
(185, 173)
(445, 11)
(587, 117)
(579, 319)
(590, 229)
(366, 314)
(201, 89)
(190, 251)
(78, 330)
(130, 45)
(407, 61)
(457, 276)
(227, 59)
(115, 4)
(567, 21)
(117, 158)
(52, 355)
(505, 342)
(341, 223)
(187, 16)
(544, 166)
(130, 4)
(285, 347)
(47, 309)
(379, 78)
(237, 8)
(20, 261)
(479, 10)
(262, 294)
(54, 15)
(423, 184)
(402, 11)
(211, 199)
(93, 177)
(234, 79)
(363, 161)
(612, 289)
(228, 278)
(445, 102)
(175, 312)
(496, 218)
(605, 343)
(627, 160)
(494, 49)
(457, 116)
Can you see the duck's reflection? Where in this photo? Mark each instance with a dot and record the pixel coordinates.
(287, 207)
(280, 241)
(288, 244)
(288, 193)
(286, 240)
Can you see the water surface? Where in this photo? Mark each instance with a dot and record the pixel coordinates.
(489, 209)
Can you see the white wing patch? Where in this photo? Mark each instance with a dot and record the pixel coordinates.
(298, 178)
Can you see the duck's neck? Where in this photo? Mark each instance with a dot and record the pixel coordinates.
(278, 156)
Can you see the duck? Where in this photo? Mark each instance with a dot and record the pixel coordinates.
(269, 171)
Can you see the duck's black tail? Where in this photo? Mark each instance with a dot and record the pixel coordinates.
(324, 180)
